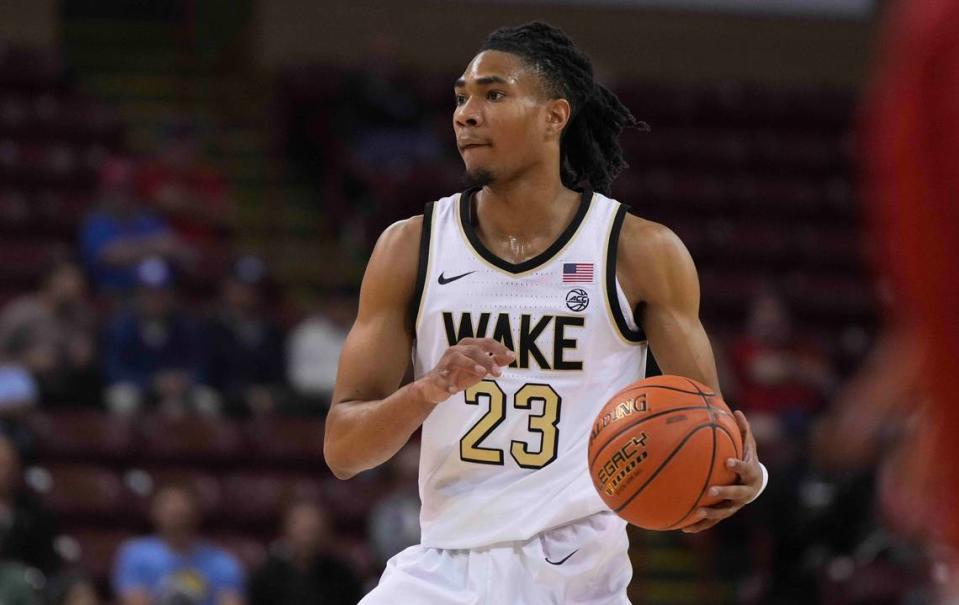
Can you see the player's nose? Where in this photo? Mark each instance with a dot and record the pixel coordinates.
(467, 114)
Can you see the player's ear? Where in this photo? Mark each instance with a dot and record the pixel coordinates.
(558, 112)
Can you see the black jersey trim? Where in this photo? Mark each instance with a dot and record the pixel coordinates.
(423, 265)
(466, 213)
(612, 296)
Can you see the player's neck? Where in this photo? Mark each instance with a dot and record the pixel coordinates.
(527, 208)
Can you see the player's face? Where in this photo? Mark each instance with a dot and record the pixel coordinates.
(499, 116)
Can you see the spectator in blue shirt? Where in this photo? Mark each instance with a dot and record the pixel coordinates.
(120, 233)
(176, 566)
(156, 352)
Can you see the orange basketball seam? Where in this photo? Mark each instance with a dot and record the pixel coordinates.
(661, 386)
(662, 465)
(712, 457)
(712, 469)
(636, 422)
(709, 474)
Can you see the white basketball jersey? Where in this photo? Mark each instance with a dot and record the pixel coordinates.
(506, 459)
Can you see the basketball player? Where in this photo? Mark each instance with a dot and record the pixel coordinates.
(528, 300)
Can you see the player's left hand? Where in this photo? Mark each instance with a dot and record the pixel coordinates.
(733, 497)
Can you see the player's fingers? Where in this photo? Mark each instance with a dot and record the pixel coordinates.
(493, 347)
(467, 359)
(700, 526)
(735, 493)
(749, 442)
(460, 372)
(718, 511)
(748, 471)
(481, 358)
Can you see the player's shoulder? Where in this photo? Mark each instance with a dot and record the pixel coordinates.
(402, 234)
(643, 241)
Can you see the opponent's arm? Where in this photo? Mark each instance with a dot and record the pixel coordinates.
(657, 273)
(371, 417)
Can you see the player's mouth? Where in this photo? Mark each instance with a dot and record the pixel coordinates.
(467, 145)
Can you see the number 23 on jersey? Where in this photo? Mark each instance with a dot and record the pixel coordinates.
(489, 392)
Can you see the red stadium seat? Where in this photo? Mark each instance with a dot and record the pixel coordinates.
(356, 551)
(288, 440)
(351, 501)
(250, 552)
(93, 550)
(82, 435)
(259, 498)
(81, 491)
(144, 484)
(190, 439)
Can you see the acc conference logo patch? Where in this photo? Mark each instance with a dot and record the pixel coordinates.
(577, 299)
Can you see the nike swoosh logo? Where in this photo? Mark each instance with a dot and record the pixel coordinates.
(563, 560)
(445, 280)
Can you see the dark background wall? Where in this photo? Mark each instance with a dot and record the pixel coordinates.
(672, 45)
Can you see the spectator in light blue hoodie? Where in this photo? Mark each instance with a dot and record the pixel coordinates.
(176, 566)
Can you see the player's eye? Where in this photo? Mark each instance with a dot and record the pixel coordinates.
(494, 95)
(460, 99)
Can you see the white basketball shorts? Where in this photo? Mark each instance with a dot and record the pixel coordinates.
(582, 563)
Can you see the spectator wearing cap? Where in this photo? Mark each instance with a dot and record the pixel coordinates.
(156, 352)
(176, 566)
(247, 359)
(120, 233)
(190, 193)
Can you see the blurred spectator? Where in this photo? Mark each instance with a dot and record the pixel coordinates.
(190, 193)
(176, 566)
(314, 347)
(395, 520)
(18, 390)
(18, 395)
(27, 530)
(72, 590)
(301, 569)
(52, 332)
(246, 345)
(120, 234)
(385, 134)
(156, 352)
(18, 584)
(775, 370)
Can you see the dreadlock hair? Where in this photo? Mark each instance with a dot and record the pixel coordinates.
(590, 155)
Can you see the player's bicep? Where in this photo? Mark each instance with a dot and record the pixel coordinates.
(377, 350)
(668, 291)
(680, 344)
(374, 358)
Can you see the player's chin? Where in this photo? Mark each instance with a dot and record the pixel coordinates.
(478, 175)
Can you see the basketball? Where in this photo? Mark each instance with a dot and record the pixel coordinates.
(657, 446)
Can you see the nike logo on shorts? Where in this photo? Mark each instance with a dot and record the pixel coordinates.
(563, 560)
(445, 280)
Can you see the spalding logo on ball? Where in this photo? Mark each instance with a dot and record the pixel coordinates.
(657, 446)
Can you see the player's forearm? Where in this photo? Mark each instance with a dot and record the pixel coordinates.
(363, 434)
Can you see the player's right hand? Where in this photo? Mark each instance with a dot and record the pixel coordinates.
(463, 365)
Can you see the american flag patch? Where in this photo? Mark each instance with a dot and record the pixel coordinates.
(577, 273)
